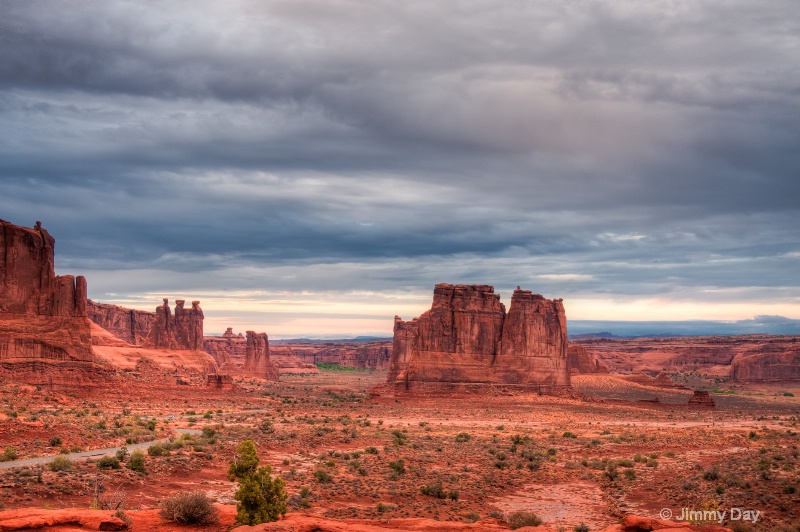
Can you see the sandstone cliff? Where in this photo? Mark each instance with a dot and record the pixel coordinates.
(45, 335)
(582, 361)
(467, 338)
(184, 330)
(779, 365)
(362, 355)
(231, 350)
(129, 325)
(257, 360)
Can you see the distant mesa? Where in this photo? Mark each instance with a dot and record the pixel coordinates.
(245, 354)
(775, 362)
(467, 338)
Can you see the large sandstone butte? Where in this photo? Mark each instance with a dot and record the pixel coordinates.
(772, 364)
(467, 338)
(45, 335)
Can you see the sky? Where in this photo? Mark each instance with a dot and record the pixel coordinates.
(315, 167)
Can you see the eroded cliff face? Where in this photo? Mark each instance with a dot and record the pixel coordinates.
(467, 338)
(257, 361)
(582, 361)
(775, 366)
(362, 355)
(184, 330)
(131, 326)
(45, 335)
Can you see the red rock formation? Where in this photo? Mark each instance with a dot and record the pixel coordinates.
(362, 355)
(129, 325)
(768, 366)
(467, 338)
(182, 331)
(701, 398)
(45, 335)
(257, 360)
(582, 361)
(287, 361)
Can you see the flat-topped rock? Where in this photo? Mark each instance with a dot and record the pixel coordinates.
(468, 338)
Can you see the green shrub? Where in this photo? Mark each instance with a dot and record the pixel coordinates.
(371, 450)
(60, 463)
(398, 466)
(8, 455)
(262, 499)
(434, 490)
(322, 476)
(108, 462)
(463, 437)
(136, 461)
(157, 450)
(189, 508)
(55, 441)
(519, 519)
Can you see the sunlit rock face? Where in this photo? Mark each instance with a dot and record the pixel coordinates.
(468, 338)
(45, 336)
(583, 361)
(257, 361)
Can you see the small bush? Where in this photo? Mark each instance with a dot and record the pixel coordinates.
(711, 474)
(136, 461)
(383, 507)
(398, 466)
(583, 527)
(322, 476)
(463, 437)
(371, 450)
(569, 435)
(60, 463)
(157, 450)
(55, 441)
(108, 462)
(189, 508)
(434, 490)
(8, 455)
(519, 519)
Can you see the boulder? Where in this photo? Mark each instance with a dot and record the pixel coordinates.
(467, 338)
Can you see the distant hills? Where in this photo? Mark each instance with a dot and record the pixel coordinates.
(587, 329)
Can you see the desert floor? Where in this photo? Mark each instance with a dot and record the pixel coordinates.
(347, 452)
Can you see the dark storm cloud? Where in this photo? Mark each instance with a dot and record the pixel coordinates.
(644, 148)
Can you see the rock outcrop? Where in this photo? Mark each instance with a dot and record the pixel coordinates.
(581, 361)
(467, 338)
(769, 366)
(701, 398)
(45, 335)
(184, 330)
(231, 351)
(361, 355)
(257, 361)
(129, 325)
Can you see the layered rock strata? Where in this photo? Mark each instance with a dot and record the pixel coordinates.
(45, 335)
(184, 330)
(467, 338)
(257, 361)
(581, 361)
(129, 325)
(701, 398)
(769, 365)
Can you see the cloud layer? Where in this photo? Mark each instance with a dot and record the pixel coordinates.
(597, 151)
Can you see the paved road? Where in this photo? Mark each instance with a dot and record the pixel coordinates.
(111, 451)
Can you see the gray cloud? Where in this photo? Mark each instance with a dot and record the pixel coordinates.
(645, 149)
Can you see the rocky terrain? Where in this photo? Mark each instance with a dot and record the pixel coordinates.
(649, 424)
(360, 355)
(467, 338)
